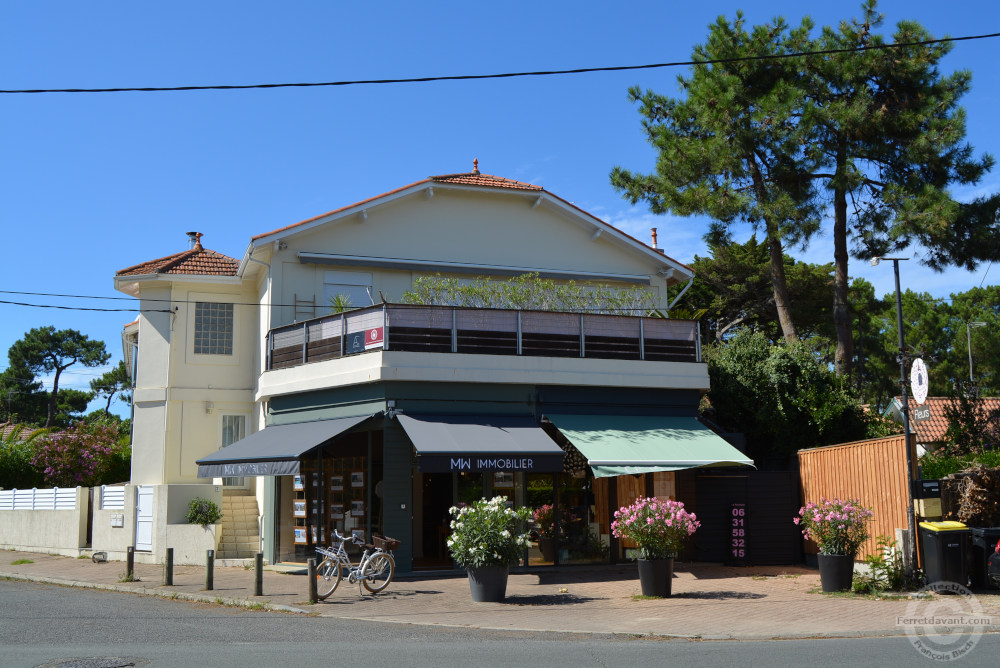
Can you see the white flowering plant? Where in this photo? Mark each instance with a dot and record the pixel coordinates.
(488, 533)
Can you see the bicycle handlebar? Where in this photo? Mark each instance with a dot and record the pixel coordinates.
(357, 540)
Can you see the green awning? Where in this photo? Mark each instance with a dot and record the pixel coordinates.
(632, 444)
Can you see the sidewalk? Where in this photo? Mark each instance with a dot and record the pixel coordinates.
(709, 602)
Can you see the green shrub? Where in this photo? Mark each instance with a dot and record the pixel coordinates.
(886, 571)
(938, 464)
(203, 511)
(17, 448)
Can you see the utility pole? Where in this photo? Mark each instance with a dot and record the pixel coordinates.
(911, 525)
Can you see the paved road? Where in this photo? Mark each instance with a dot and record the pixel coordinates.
(48, 624)
(710, 602)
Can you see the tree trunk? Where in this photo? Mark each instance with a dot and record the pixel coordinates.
(781, 299)
(841, 315)
(50, 418)
(782, 302)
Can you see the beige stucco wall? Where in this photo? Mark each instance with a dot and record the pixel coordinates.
(51, 531)
(496, 229)
(180, 397)
(389, 365)
(114, 539)
(170, 527)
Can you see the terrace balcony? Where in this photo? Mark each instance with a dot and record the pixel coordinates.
(446, 329)
(442, 344)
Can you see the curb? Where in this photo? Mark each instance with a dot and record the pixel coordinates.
(160, 593)
(274, 607)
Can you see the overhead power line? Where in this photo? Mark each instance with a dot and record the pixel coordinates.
(504, 75)
(84, 308)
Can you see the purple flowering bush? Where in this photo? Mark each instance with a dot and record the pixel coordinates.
(837, 526)
(75, 457)
(657, 526)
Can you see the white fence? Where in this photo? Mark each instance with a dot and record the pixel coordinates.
(53, 498)
(112, 498)
(53, 520)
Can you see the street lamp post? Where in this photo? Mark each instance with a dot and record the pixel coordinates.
(911, 525)
(968, 333)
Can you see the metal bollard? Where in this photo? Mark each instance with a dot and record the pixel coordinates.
(130, 563)
(311, 567)
(168, 568)
(258, 584)
(210, 570)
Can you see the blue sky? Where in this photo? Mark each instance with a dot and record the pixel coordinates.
(92, 183)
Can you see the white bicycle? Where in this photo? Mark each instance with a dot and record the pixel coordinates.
(374, 571)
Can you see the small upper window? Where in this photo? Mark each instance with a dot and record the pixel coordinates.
(213, 328)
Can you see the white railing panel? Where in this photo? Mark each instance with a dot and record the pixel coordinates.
(24, 499)
(52, 498)
(113, 498)
(65, 498)
(45, 499)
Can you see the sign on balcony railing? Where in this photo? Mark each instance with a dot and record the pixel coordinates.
(445, 329)
(365, 330)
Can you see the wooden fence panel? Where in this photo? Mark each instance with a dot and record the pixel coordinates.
(873, 472)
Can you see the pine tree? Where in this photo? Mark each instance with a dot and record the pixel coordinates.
(734, 148)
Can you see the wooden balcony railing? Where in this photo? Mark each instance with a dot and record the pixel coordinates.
(446, 329)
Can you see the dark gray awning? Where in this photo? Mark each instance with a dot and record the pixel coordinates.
(274, 450)
(487, 443)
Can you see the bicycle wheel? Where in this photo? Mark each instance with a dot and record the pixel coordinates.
(327, 577)
(379, 574)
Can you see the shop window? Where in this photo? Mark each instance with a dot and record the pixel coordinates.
(582, 540)
(234, 428)
(342, 493)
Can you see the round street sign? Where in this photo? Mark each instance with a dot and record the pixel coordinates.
(918, 380)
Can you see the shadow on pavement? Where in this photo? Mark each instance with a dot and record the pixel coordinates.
(548, 599)
(719, 595)
(610, 574)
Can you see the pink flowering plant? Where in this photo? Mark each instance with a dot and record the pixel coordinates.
(657, 526)
(837, 526)
(550, 521)
(75, 457)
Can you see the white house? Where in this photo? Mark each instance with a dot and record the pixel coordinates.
(379, 419)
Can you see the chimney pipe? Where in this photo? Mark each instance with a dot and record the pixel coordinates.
(194, 240)
(653, 230)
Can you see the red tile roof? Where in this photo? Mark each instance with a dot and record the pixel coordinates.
(933, 430)
(198, 260)
(475, 178)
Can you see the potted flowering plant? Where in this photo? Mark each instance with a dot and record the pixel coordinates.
(658, 527)
(838, 527)
(550, 524)
(487, 538)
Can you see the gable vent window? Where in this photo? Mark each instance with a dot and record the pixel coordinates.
(213, 328)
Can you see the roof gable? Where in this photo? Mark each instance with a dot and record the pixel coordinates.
(477, 181)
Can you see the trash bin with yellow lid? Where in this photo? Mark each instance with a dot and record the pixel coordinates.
(943, 547)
